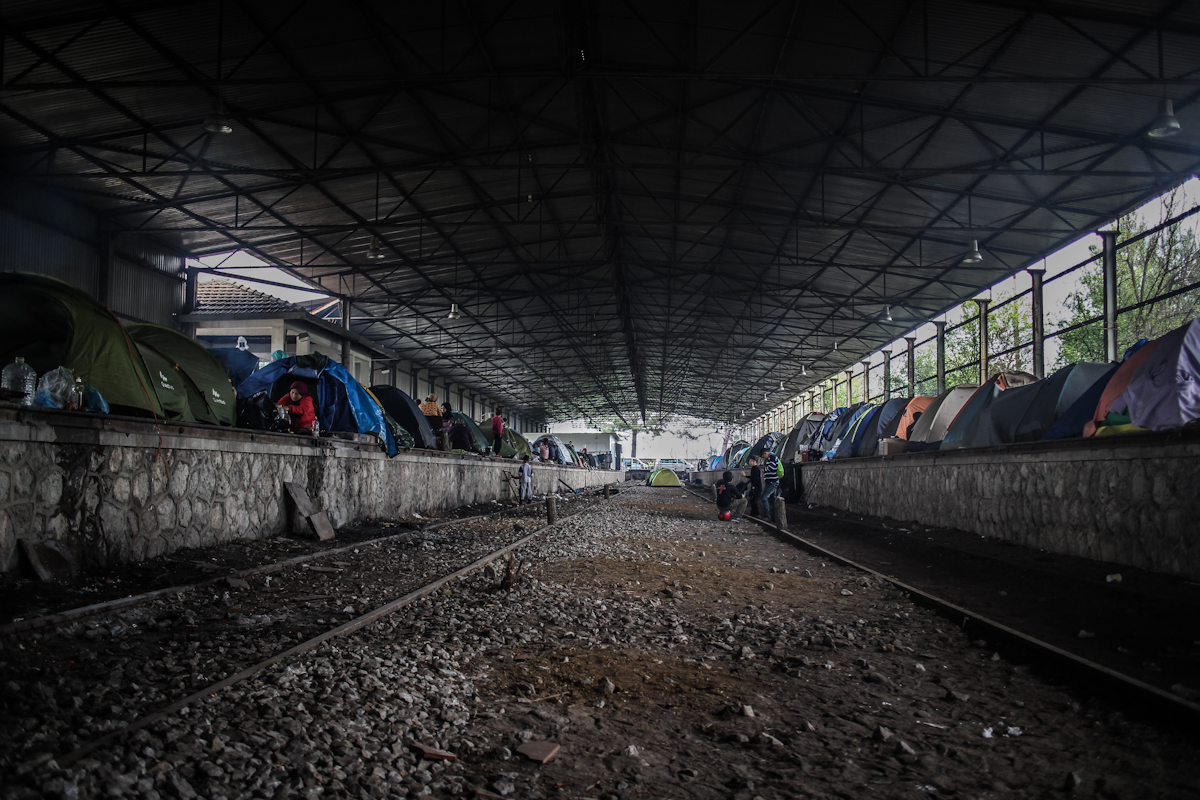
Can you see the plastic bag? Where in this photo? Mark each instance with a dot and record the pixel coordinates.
(54, 388)
(94, 401)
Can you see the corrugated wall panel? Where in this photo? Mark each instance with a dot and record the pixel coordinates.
(137, 292)
(26, 246)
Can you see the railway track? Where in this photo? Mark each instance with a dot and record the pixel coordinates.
(1137, 693)
(193, 641)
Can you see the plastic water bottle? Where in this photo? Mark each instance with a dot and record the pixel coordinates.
(20, 377)
(75, 398)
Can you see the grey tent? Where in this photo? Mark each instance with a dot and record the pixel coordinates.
(1025, 413)
(800, 436)
(931, 428)
(968, 416)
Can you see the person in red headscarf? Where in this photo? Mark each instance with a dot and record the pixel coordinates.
(300, 408)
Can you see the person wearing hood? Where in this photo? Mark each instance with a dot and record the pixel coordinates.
(433, 414)
(300, 408)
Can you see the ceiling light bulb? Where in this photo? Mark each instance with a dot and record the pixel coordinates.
(888, 314)
(973, 256)
(835, 344)
(1165, 124)
(217, 122)
(781, 386)
(803, 370)
(753, 407)
(373, 252)
(453, 311)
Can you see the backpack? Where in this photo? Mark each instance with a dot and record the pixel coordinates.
(778, 469)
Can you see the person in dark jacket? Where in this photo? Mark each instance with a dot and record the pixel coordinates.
(729, 497)
(756, 486)
(460, 437)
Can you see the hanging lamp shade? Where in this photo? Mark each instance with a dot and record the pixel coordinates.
(453, 311)
(1165, 124)
(374, 252)
(887, 314)
(973, 255)
(217, 122)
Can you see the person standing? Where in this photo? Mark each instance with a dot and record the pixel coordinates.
(756, 486)
(770, 484)
(526, 475)
(497, 431)
(447, 423)
(433, 415)
(544, 450)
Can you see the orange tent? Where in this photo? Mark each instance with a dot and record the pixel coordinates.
(1117, 385)
(916, 405)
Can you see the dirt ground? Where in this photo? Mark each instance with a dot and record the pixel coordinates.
(775, 684)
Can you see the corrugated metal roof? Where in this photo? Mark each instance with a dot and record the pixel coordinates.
(631, 199)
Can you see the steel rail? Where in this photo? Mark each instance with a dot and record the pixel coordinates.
(108, 606)
(344, 629)
(1163, 700)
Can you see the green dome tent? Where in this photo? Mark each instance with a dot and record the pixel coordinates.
(53, 324)
(514, 445)
(663, 477)
(210, 394)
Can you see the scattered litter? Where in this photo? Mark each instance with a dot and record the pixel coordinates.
(987, 733)
(540, 752)
(431, 753)
(1086, 635)
(1013, 732)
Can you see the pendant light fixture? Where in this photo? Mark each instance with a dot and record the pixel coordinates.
(887, 313)
(453, 311)
(973, 255)
(1165, 124)
(803, 371)
(781, 387)
(217, 122)
(374, 252)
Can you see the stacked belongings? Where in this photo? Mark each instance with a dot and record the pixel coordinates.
(341, 403)
(1156, 389)
(1027, 413)
(802, 433)
(978, 402)
(930, 429)
(663, 477)
(407, 414)
(52, 324)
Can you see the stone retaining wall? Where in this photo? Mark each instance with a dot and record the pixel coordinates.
(115, 492)
(1131, 500)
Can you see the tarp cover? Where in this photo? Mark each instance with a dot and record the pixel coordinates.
(834, 433)
(217, 404)
(53, 324)
(663, 477)
(1164, 391)
(405, 411)
(342, 404)
(767, 443)
(238, 364)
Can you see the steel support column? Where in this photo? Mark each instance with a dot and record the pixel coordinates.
(866, 365)
(887, 375)
(912, 365)
(346, 339)
(1110, 294)
(941, 356)
(1039, 328)
(983, 339)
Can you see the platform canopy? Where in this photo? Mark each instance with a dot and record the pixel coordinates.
(636, 208)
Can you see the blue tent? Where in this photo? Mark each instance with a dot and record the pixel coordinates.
(342, 403)
(853, 434)
(1072, 421)
(238, 363)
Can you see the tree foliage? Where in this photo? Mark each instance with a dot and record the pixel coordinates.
(1148, 268)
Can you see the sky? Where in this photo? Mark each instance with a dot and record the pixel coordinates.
(246, 268)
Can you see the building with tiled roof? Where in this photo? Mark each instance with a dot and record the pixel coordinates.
(225, 311)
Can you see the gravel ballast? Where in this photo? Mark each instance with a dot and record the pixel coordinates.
(664, 653)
